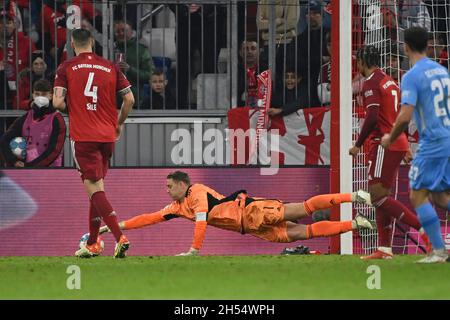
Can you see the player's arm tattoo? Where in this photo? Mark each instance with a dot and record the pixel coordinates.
(59, 92)
(125, 91)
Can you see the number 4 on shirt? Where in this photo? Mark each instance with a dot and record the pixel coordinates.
(89, 90)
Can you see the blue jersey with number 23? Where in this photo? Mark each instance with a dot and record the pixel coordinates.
(426, 87)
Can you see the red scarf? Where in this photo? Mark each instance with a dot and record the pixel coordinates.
(11, 57)
(10, 67)
(252, 88)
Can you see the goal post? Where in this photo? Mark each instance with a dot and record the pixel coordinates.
(341, 117)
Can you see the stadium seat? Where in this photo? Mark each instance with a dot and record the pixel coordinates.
(222, 60)
(206, 99)
(161, 42)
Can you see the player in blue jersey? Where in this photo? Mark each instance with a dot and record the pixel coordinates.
(426, 94)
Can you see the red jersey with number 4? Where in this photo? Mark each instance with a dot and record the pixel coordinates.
(92, 83)
(382, 92)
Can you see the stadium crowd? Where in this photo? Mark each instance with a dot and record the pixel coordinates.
(33, 42)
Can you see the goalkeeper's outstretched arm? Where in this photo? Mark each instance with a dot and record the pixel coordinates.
(199, 235)
(139, 221)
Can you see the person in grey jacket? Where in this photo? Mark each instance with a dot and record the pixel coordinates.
(414, 13)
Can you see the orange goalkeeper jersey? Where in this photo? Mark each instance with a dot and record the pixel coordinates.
(221, 212)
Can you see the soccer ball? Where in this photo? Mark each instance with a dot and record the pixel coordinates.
(85, 237)
(18, 147)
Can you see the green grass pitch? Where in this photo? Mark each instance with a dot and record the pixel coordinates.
(222, 277)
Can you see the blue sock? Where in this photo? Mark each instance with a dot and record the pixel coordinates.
(431, 224)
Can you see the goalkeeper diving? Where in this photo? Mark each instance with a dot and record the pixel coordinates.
(268, 219)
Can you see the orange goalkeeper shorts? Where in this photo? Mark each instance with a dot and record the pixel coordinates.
(264, 219)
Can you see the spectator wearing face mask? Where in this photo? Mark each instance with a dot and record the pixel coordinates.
(42, 127)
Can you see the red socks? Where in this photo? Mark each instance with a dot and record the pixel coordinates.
(103, 208)
(384, 227)
(399, 211)
(94, 224)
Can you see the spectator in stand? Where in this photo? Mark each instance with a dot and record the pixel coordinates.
(27, 14)
(414, 13)
(195, 32)
(133, 58)
(324, 81)
(374, 21)
(393, 63)
(304, 8)
(4, 94)
(29, 77)
(14, 50)
(4, 90)
(159, 97)
(390, 20)
(286, 18)
(98, 37)
(246, 19)
(307, 52)
(292, 98)
(128, 12)
(15, 9)
(42, 127)
(54, 15)
(248, 69)
(437, 50)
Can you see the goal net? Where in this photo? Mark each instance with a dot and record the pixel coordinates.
(381, 23)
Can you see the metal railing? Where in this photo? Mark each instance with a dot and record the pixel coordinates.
(209, 53)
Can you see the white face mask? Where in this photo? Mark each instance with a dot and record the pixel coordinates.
(41, 101)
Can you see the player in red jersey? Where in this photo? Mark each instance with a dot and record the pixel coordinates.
(89, 84)
(381, 97)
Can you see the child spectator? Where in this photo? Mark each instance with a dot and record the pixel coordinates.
(159, 97)
(308, 50)
(293, 97)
